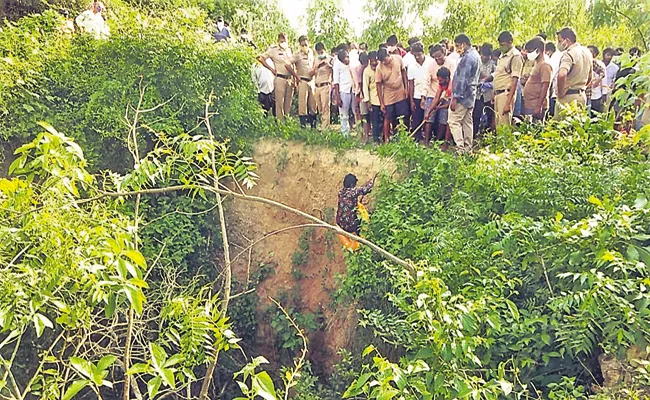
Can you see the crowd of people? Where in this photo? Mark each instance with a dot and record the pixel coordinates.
(450, 91)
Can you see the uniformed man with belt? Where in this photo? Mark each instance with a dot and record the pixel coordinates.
(576, 66)
(505, 78)
(282, 59)
(304, 60)
(322, 70)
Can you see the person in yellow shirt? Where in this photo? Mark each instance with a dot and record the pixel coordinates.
(370, 97)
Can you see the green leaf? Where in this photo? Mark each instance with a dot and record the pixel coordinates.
(82, 366)
(158, 355)
(74, 388)
(368, 350)
(139, 368)
(265, 387)
(632, 252)
(109, 310)
(595, 200)
(506, 387)
(640, 203)
(168, 377)
(136, 257)
(173, 360)
(153, 386)
(513, 309)
(136, 298)
(41, 322)
(546, 338)
(106, 362)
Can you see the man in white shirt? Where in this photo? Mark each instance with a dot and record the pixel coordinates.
(417, 80)
(554, 58)
(343, 89)
(92, 22)
(611, 69)
(597, 81)
(263, 79)
(408, 58)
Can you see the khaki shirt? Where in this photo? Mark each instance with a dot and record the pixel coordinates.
(323, 70)
(370, 87)
(578, 61)
(391, 78)
(510, 65)
(280, 58)
(304, 62)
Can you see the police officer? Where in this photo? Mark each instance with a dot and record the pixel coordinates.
(506, 78)
(575, 71)
(304, 60)
(322, 70)
(282, 58)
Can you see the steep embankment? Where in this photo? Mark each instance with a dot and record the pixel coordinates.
(307, 178)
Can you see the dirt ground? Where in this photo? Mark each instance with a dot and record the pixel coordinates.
(307, 178)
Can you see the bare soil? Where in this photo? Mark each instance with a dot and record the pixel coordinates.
(306, 178)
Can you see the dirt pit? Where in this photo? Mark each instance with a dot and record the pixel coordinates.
(309, 179)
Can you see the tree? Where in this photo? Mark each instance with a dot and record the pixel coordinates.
(327, 23)
(631, 14)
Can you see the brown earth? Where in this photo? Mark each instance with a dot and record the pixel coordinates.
(306, 178)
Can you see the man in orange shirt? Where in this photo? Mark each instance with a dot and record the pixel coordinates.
(392, 81)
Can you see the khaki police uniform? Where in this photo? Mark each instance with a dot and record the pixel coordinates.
(510, 65)
(283, 82)
(306, 101)
(578, 61)
(323, 80)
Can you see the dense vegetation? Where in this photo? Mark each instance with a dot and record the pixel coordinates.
(529, 261)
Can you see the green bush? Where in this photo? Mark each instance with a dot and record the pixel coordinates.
(533, 258)
(84, 86)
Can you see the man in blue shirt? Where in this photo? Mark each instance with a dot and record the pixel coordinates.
(463, 96)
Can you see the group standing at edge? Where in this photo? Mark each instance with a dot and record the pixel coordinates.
(456, 91)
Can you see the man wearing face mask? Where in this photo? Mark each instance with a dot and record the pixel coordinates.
(505, 78)
(391, 45)
(464, 86)
(304, 60)
(322, 70)
(575, 71)
(538, 82)
(282, 58)
(222, 34)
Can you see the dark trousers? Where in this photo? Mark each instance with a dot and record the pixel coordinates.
(267, 100)
(551, 106)
(597, 106)
(417, 118)
(481, 106)
(377, 122)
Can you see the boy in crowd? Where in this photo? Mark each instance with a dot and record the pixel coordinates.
(438, 111)
(371, 97)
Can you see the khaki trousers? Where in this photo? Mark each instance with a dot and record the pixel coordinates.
(306, 100)
(580, 99)
(461, 126)
(500, 101)
(283, 97)
(323, 105)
